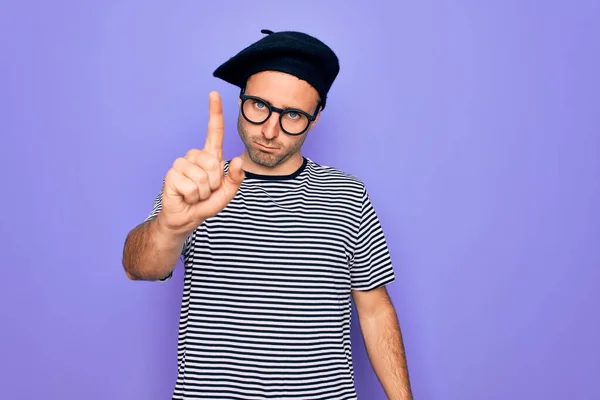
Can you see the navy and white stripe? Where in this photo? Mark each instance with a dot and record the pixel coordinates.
(266, 305)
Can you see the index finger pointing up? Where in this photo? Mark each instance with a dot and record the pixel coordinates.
(216, 126)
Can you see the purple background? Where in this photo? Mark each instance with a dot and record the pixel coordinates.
(475, 127)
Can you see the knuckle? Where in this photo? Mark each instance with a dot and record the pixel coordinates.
(201, 177)
(171, 178)
(192, 153)
(179, 163)
(197, 157)
(188, 189)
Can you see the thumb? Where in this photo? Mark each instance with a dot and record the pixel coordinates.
(235, 174)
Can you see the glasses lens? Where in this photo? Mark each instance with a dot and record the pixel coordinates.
(255, 110)
(294, 122)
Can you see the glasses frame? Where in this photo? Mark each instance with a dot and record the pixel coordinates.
(311, 118)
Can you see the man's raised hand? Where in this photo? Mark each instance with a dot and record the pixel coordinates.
(195, 188)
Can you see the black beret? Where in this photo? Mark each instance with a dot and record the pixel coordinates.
(295, 53)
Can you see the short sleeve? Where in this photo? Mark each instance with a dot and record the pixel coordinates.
(370, 264)
(157, 206)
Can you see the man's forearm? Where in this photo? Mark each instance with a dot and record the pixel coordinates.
(150, 253)
(385, 347)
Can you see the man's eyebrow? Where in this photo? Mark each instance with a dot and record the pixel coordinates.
(286, 106)
(283, 106)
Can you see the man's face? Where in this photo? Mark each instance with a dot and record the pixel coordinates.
(267, 144)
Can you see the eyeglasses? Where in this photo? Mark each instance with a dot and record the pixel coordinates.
(292, 121)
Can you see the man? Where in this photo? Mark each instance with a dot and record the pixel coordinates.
(275, 246)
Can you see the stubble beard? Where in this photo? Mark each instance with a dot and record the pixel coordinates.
(268, 160)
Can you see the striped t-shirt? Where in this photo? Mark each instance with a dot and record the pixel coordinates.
(267, 293)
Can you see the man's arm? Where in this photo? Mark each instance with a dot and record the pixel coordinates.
(383, 340)
(151, 252)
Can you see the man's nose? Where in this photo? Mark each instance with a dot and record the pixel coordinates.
(271, 126)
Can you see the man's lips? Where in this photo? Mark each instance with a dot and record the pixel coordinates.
(266, 147)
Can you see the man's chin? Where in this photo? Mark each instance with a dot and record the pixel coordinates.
(265, 160)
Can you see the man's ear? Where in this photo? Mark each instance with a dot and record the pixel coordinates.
(312, 124)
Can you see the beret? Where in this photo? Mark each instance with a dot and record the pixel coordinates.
(295, 53)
